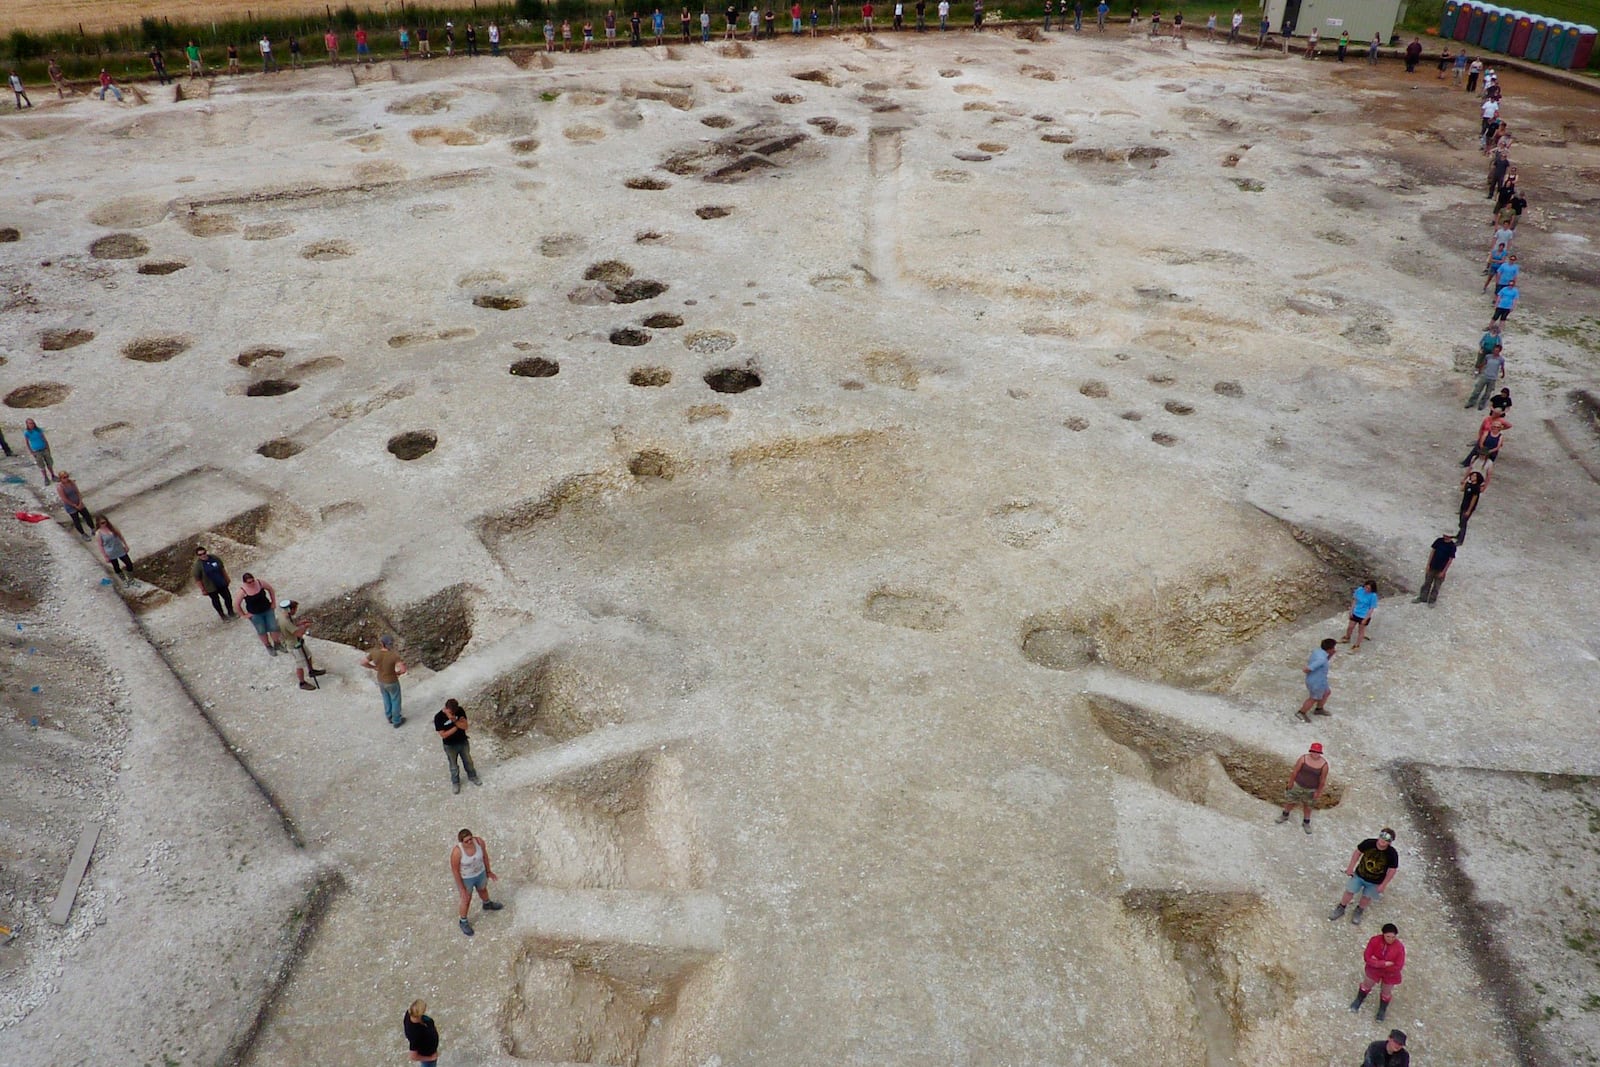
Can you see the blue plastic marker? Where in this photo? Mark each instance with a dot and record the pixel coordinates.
(37, 689)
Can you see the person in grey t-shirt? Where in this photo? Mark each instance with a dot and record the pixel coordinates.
(1316, 672)
(1490, 372)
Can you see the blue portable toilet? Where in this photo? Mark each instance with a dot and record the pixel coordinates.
(1500, 40)
(1536, 38)
(1475, 25)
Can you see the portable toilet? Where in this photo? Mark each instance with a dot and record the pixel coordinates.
(1520, 34)
(1475, 25)
(1503, 32)
(1463, 20)
(1490, 37)
(1447, 21)
(1552, 43)
(1585, 50)
(1569, 46)
(1538, 33)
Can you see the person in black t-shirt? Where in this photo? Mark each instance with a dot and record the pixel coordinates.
(1390, 1053)
(1471, 490)
(450, 723)
(1440, 556)
(421, 1035)
(1372, 867)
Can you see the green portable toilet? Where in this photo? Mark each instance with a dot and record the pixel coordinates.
(1447, 21)
(1475, 25)
(1492, 21)
(1569, 46)
(1503, 32)
(1537, 35)
(1552, 43)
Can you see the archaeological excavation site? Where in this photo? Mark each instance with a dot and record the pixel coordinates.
(874, 497)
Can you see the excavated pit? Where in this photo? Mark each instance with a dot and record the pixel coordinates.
(271, 387)
(649, 377)
(498, 303)
(652, 463)
(432, 632)
(280, 448)
(547, 700)
(733, 380)
(61, 340)
(171, 567)
(413, 444)
(663, 320)
(1174, 751)
(162, 267)
(535, 367)
(119, 246)
(630, 337)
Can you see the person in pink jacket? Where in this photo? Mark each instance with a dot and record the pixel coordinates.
(1385, 959)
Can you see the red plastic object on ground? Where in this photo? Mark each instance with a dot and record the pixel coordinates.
(31, 516)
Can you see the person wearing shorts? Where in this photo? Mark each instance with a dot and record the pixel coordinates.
(1373, 865)
(39, 449)
(256, 599)
(469, 864)
(1317, 687)
(1363, 603)
(1307, 779)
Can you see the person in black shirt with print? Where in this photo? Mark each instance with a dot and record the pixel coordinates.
(421, 1035)
(1372, 867)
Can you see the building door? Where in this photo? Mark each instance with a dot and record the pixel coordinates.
(1291, 15)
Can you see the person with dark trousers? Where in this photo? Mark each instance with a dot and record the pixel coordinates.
(1413, 55)
(71, 498)
(1471, 491)
(1384, 960)
(113, 548)
(450, 723)
(212, 578)
(5, 446)
(1389, 1053)
(158, 63)
(1440, 556)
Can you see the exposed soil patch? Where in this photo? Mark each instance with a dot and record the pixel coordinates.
(321, 251)
(8, 234)
(268, 231)
(652, 463)
(709, 342)
(61, 340)
(155, 349)
(1094, 389)
(1133, 154)
(523, 146)
(271, 387)
(1178, 407)
(426, 104)
(713, 211)
(413, 444)
(1233, 389)
(535, 367)
(1131, 416)
(973, 157)
(280, 448)
(820, 77)
(162, 267)
(556, 245)
(649, 377)
(909, 608)
(1165, 440)
(733, 380)
(717, 122)
(37, 395)
(610, 271)
(449, 136)
(663, 320)
(119, 246)
(251, 356)
(630, 337)
(648, 183)
(1076, 423)
(788, 98)
(209, 225)
(649, 237)
(498, 303)
(549, 697)
(1057, 138)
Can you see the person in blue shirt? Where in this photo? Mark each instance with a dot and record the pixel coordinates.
(1316, 672)
(658, 22)
(1100, 14)
(1504, 300)
(1507, 274)
(39, 448)
(1361, 609)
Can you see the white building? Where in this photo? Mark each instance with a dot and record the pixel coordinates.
(1359, 18)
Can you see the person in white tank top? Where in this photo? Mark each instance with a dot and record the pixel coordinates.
(469, 863)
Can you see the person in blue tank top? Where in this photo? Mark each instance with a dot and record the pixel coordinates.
(1362, 605)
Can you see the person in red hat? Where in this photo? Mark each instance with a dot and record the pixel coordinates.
(1306, 782)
